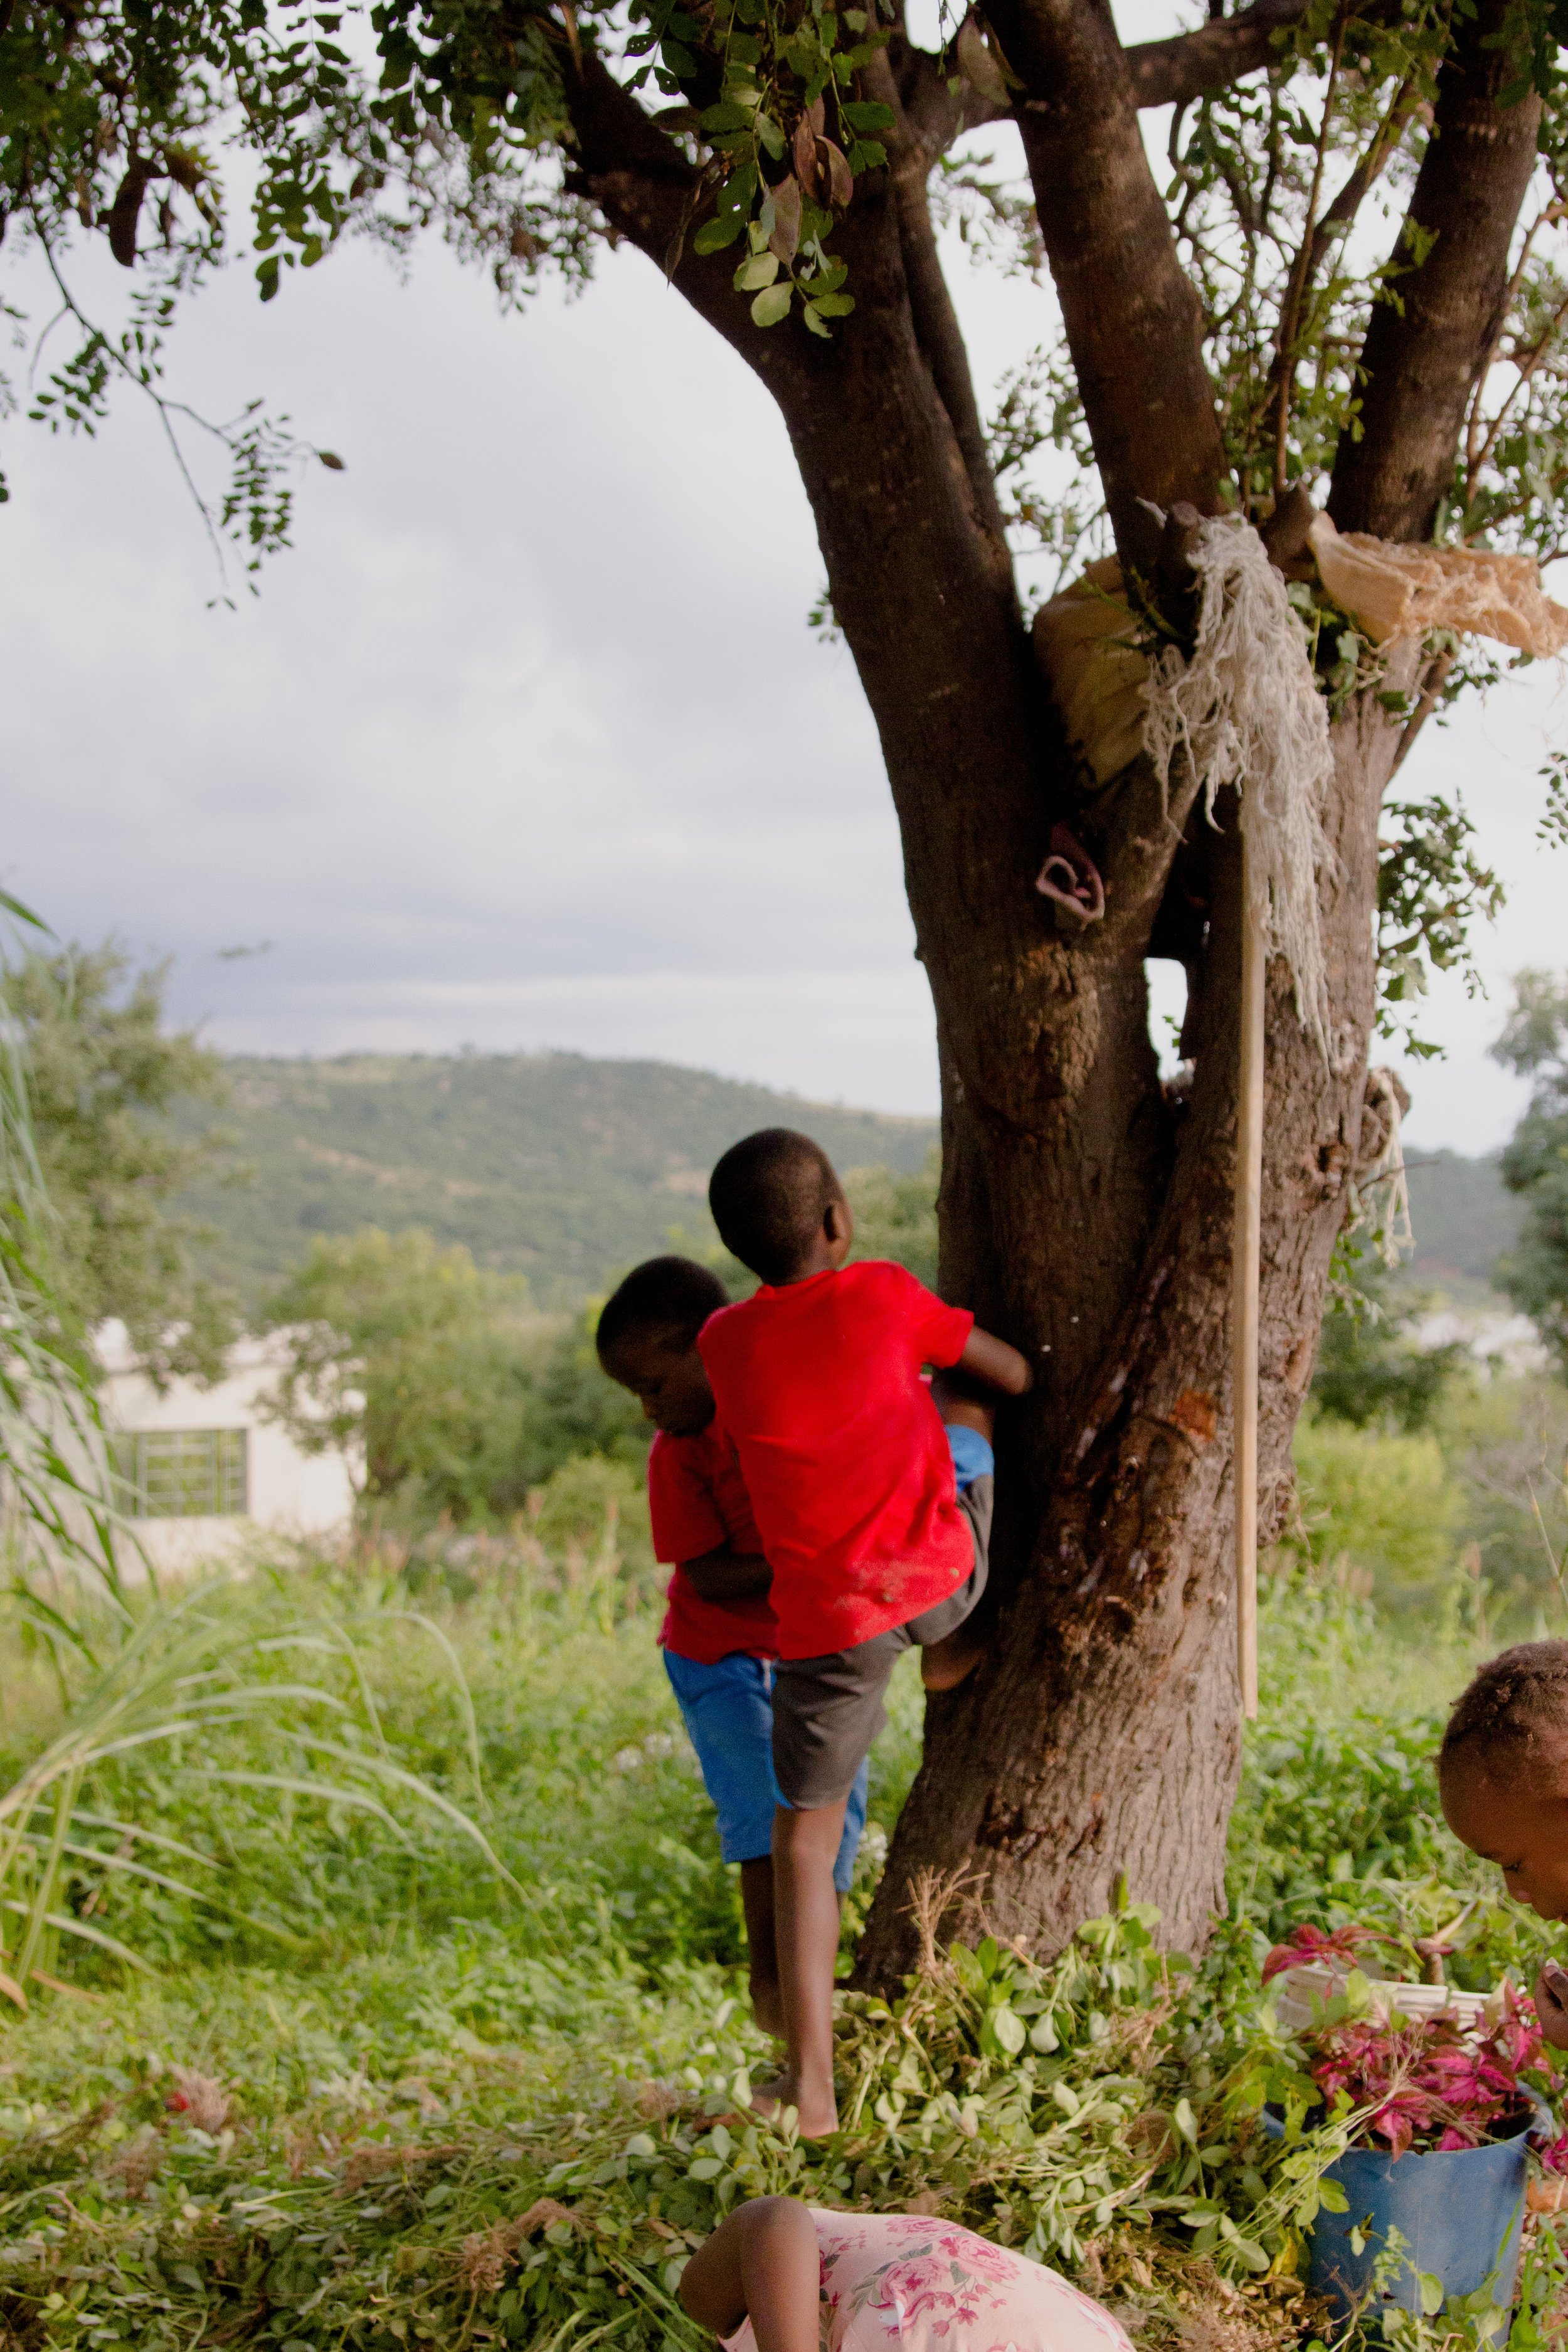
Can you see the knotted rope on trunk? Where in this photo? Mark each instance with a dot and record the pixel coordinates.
(1245, 711)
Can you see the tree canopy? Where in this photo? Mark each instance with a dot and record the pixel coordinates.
(528, 132)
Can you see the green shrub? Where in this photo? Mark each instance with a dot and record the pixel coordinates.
(1386, 1504)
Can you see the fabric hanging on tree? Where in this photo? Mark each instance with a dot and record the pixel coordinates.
(1403, 592)
(1085, 637)
(1083, 642)
(1246, 710)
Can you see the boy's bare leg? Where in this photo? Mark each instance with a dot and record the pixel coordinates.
(757, 1902)
(945, 1664)
(805, 1847)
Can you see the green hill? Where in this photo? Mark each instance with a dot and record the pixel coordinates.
(545, 1164)
(566, 1168)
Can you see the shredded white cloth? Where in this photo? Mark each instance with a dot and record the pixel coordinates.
(1247, 711)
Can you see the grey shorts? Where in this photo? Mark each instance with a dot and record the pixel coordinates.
(827, 1711)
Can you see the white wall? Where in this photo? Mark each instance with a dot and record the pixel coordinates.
(288, 1491)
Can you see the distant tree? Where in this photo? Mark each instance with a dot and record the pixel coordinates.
(578, 1410)
(895, 1216)
(103, 1073)
(413, 1350)
(1535, 1165)
(1372, 1371)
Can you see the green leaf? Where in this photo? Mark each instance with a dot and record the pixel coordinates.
(771, 137)
(867, 114)
(772, 305)
(678, 60)
(1186, 2123)
(865, 155)
(839, 305)
(725, 115)
(721, 231)
(759, 271)
(1432, 2294)
(1006, 2024)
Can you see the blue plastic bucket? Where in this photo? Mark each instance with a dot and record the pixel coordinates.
(1458, 2212)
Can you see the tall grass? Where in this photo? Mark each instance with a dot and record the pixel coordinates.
(232, 1672)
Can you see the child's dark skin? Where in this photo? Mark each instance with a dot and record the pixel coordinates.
(762, 2265)
(1511, 1808)
(668, 1380)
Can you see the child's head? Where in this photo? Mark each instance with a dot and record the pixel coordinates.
(647, 1340)
(1503, 1772)
(780, 1207)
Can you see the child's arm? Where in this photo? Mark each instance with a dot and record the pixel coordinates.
(994, 1364)
(761, 2264)
(725, 1575)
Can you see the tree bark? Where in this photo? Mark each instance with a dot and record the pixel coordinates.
(1100, 1739)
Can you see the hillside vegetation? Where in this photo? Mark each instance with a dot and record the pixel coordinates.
(551, 1165)
(568, 1170)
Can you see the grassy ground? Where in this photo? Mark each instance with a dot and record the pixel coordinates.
(328, 2120)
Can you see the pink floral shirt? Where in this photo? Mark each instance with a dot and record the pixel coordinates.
(929, 2286)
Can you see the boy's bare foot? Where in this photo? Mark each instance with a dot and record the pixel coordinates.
(816, 2114)
(945, 1664)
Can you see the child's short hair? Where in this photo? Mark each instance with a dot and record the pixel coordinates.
(673, 1295)
(1517, 1699)
(768, 1195)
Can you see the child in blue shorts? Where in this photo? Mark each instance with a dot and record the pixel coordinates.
(718, 1634)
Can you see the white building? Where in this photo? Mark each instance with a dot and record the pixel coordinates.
(202, 1469)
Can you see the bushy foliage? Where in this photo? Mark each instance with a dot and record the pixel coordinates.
(895, 1216)
(1373, 1369)
(1535, 1164)
(411, 1353)
(1385, 1503)
(102, 1072)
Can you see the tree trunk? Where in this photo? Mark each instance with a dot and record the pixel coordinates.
(1082, 1215)
(1101, 1735)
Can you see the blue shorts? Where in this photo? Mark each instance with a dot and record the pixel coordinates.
(727, 1711)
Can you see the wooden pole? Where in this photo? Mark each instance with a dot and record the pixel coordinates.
(1246, 1243)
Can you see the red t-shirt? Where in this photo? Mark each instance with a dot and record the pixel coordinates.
(697, 1500)
(843, 1452)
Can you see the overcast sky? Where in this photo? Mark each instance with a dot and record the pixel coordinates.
(527, 743)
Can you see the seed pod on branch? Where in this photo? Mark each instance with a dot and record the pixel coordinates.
(125, 211)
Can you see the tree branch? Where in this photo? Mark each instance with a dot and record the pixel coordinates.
(1174, 73)
(1422, 354)
(937, 330)
(1133, 317)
